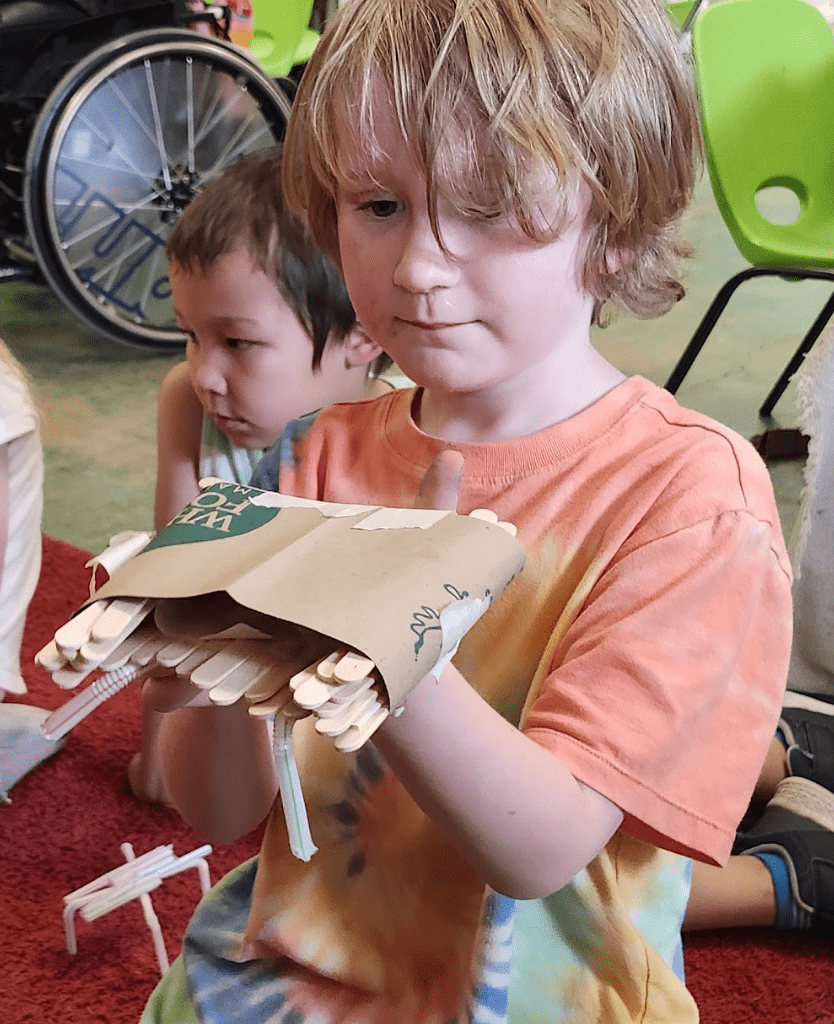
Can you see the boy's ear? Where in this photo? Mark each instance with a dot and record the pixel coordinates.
(358, 349)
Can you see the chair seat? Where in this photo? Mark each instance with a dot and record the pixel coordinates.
(765, 75)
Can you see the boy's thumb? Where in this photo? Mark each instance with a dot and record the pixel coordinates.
(439, 487)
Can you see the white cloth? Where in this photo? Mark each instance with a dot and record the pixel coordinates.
(22, 744)
(22, 561)
(812, 545)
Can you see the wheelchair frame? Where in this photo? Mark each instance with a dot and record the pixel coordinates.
(117, 119)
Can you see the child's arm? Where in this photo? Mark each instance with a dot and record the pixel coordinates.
(217, 762)
(179, 424)
(218, 769)
(510, 806)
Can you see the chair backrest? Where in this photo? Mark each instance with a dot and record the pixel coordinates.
(279, 27)
(765, 72)
(680, 10)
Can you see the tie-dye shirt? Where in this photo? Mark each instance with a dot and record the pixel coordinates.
(645, 644)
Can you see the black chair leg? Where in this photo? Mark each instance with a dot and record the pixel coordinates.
(704, 329)
(798, 358)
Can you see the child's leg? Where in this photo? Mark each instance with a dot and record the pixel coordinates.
(774, 769)
(785, 875)
(739, 895)
(144, 772)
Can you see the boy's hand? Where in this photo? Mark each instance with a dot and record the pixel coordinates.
(171, 692)
(166, 691)
(439, 487)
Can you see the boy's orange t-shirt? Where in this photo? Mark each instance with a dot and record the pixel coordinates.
(645, 644)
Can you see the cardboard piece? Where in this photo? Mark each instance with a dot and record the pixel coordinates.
(399, 586)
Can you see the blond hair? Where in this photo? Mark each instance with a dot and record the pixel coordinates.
(490, 92)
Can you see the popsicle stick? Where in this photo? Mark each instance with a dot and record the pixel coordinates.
(79, 662)
(74, 634)
(352, 668)
(207, 649)
(68, 678)
(239, 680)
(349, 691)
(50, 658)
(293, 712)
(274, 679)
(272, 705)
(215, 670)
(326, 667)
(486, 514)
(339, 722)
(313, 693)
(121, 616)
(299, 678)
(145, 654)
(102, 649)
(359, 720)
(340, 700)
(121, 653)
(176, 651)
(358, 735)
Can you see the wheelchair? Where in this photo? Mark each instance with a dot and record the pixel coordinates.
(116, 113)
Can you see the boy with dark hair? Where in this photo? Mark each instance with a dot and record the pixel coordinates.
(271, 334)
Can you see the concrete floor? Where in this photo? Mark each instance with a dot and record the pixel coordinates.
(98, 398)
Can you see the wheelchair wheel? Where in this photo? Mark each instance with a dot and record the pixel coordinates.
(121, 146)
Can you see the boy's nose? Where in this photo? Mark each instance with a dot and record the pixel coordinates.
(423, 264)
(207, 374)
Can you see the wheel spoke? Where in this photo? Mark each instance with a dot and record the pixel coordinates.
(160, 141)
(141, 130)
(189, 99)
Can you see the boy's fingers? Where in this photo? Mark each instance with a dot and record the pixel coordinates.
(169, 693)
(439, 487)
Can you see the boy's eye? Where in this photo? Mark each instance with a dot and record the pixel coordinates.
(381, 207)
(239, 344)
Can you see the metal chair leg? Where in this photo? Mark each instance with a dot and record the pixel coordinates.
(798, 358)
(704, 329)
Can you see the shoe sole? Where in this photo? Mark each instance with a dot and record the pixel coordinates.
(806, 799)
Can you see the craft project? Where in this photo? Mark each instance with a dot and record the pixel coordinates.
(133, 881)
(299, 607)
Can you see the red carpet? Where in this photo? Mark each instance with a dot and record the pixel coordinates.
(70, 814)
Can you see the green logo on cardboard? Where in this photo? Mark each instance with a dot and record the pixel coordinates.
(222, 510)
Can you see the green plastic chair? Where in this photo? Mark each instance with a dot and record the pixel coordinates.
(682, 12)
(281, 36)
(765, 73)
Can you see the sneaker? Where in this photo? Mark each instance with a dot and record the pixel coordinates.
(807, 724)
(798, 824)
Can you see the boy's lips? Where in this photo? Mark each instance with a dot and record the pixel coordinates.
(228, 422)
(431, 325)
